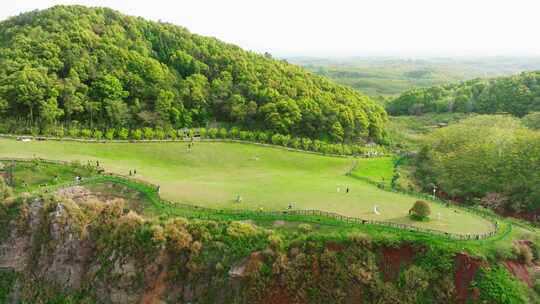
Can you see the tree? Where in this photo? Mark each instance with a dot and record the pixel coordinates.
(49, 111)
(108, 89)
(420, 211)
(337, 132)
(282, 115)
(32, 89)
(164, 105)
(531, 120)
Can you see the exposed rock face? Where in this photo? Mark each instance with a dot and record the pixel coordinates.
(465, 270)
(15, 252)
(393, 259)
(519, 271)
(53, 245)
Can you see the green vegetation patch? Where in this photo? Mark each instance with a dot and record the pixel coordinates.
(28, 176)
(266, 179)
(104, 70)
(7, 280)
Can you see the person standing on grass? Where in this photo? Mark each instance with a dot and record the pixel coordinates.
(158, 188)
(129, 172)
(347, 191)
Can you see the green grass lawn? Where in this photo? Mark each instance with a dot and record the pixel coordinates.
(29, 176)
(213, 174)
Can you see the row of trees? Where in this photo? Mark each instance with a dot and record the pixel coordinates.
(158, 133)
(518, 95)
(102, 69)
(491, 158)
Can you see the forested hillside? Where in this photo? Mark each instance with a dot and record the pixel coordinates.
(518, 95)
(94, 67)
(493, 159)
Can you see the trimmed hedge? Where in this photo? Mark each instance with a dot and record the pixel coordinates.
(277, 139)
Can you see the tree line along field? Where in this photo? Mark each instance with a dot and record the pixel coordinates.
(215, 174)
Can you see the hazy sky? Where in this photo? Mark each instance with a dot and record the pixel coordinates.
(339, 27)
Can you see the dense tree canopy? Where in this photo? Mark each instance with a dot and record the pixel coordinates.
(485, 157)
(518, 95)
(99, 68)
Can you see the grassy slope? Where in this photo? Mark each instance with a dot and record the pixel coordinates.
(214, 173)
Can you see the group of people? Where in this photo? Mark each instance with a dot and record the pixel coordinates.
(132, 172)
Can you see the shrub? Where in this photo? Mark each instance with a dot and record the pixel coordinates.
(202, 132)
(212, 133)
(262, 137)
(98, 134)
(317, 145)
(178, 237)
(86, 133)
(324, 148)
(34, 131)
(420, 211)
(305, 228)
(295, 143)
(191, 133)
(223, 133)
(285, 139)
(123, 133)
(336, 149)
(148, 133)
(5, 191)
(537, 286)
(240, 229)
(414, 280)
(532, 120)
(59, 131)
(276, 139)
(158, 234)
(503, 252)
(276, 242)
(306, 143)
(496, 286)
(235, 133)
(244, 135)
(525, 254)
(110, 134)
(73, 132)
(171, 133)
(136, 134)
(159, 134)
(252, 136)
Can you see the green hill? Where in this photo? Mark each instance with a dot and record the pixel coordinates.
(517, 94)
(98, 68)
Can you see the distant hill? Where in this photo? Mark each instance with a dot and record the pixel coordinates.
(390, 76)
(98, 68)
(517, 95)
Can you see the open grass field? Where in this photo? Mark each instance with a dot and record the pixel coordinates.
(213, 174)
